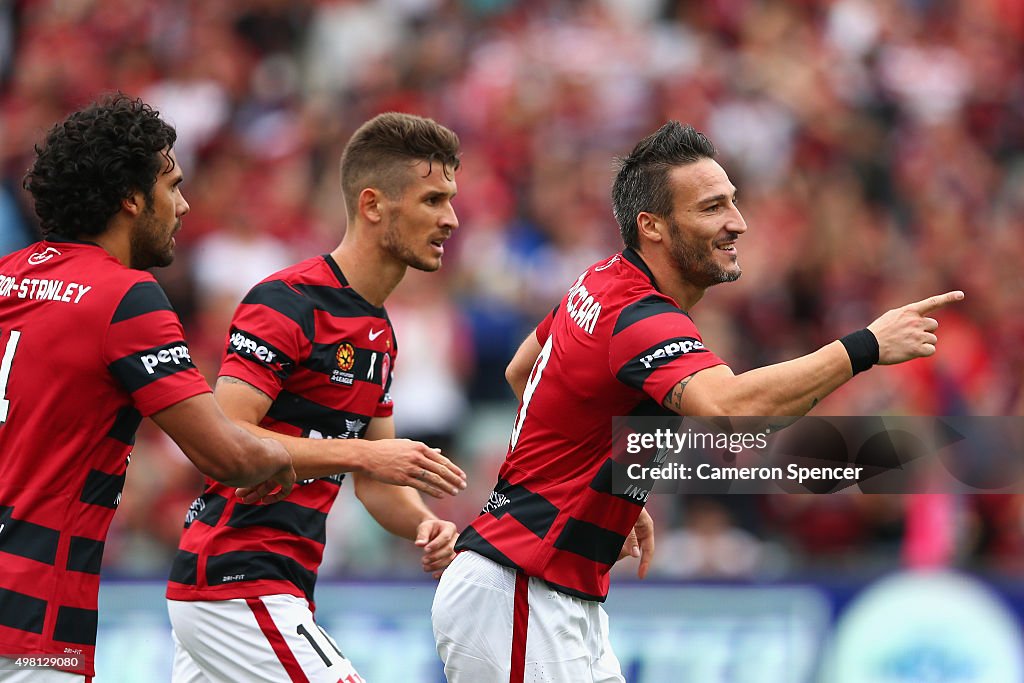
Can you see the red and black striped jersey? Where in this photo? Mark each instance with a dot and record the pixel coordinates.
(324, 355)
(614, 346)
(87, 347)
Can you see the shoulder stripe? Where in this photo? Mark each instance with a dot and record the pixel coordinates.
(636, 371)
(290, 303)
(140, 299)
(340, 302)
(644, 308)
(142, 368)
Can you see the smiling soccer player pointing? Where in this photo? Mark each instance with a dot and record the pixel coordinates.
(523, 601)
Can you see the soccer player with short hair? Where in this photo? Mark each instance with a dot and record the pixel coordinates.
(522, 599)
(89, 345)
(309, 361)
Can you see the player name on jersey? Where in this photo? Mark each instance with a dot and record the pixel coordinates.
(582, 307)
(42, 289)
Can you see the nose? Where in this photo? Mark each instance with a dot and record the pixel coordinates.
(183, 206)
(735, 223)
(449, 219)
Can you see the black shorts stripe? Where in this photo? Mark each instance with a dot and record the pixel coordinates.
(288, 302)
(530, 509)
(21, 611)
(645, 308)
(184, 568)
(636, 371)
(283, 515)
(142, 298)
(470, 539)
(76, 625)
(125, 425)
(590, 541)
(151, 365)
(102, 489)
(26, 539)
(246, 565)
(85, 555)
(301, 412)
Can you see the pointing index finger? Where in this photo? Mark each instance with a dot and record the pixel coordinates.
(934, 302)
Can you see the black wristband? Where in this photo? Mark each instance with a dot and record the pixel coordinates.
(862, 348)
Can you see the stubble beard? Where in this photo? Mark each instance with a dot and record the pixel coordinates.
(150, 245)
(696, 263)
(402, 252)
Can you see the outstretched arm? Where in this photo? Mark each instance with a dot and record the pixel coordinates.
(223, 451)
(795, 386)
(396, 461)
(401, 511)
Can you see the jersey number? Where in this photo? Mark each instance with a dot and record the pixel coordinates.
(5, 372)
(531, 386)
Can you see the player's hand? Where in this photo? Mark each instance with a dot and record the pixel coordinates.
(437, 538)
(907, 332)
(410, 463)
(640, 543)
(273, 489)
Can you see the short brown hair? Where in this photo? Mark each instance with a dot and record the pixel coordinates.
(386, 145)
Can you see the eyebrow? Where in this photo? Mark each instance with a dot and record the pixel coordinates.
(717, 198)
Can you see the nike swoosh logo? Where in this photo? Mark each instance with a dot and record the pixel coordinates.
(374, 335)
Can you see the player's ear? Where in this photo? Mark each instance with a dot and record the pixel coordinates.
(371, 205)
(650, 227)
(134, 203)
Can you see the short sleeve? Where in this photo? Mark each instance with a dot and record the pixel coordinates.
(544, 328)
(146, 353)
(655, 345)
(271, 333)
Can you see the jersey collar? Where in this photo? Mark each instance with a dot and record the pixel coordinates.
(630, 255)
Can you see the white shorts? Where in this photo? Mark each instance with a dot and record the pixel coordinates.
(495, 625)
(268, 639)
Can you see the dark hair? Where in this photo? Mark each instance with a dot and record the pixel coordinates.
(641, 183)
(386, 146)
(95, 158)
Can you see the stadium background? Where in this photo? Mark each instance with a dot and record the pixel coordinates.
(877, 145)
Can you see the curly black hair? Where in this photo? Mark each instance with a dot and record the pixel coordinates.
(95, 158)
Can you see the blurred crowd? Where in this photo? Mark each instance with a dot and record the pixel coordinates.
(878, 147)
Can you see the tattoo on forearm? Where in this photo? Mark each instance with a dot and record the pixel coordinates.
(235, 380)
(675, 399)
